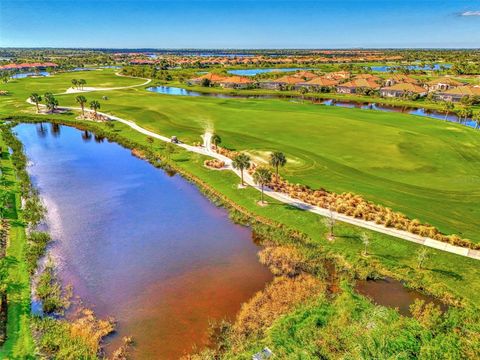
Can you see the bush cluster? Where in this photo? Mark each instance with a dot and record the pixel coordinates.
(356, 206)
(214, 163)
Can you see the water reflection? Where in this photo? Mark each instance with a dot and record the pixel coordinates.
(141, 246)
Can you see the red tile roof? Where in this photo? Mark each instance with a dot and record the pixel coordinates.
(408, 87)
(361, 83)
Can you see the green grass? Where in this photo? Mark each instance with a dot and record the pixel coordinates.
(444, 273)
(422, 167)
(19, 343)
(425, 168)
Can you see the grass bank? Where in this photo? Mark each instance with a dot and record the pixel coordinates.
(451, 277)
(19, 343)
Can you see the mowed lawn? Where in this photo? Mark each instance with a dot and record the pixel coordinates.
(425, 168)
(20, 89)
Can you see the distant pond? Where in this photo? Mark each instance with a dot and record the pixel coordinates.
(24, 75)
(138, 244)
(253, 72)
(386, 68)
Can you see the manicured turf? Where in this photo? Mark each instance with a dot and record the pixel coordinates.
(424, 168)
(19, 343)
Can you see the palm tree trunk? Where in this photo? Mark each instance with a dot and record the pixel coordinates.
(446, 115)
(38, 109)
(83, 111)
(241, 173)
(262, 194)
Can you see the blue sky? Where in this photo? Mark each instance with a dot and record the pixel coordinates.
(240, 23)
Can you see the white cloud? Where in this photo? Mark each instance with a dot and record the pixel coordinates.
(470, 13)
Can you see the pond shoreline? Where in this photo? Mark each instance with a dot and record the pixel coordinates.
(271, 229)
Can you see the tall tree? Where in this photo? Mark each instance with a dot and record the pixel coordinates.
(94, 105)
(82, 83)
(75, 83)
(35, 98)
(262, 176)
(50, 101)
(476, 118)
(82, 100)
(447, 107)
(241, 162)
(216, 139)
(277, 159)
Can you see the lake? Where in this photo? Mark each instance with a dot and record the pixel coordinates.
(137, 244)
(24, 75)
(253, 72)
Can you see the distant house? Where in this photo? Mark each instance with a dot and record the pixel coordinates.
(338, 75)
(141, 62)
(402, 89)
(27, 66)
(305, 75)
(351, 87)
(281, 83)
(318, 83)
(213, 78)
(368, 77)
(457, 93)
(400, 79)
(236, 82)
(443, 84)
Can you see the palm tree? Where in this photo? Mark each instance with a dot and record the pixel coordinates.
(476, 118)
(262, 176)
(51, 102)
(277, 159)
(81, 83)
(35, 98)
(75, 83)
(82, 100)
(216, 139)
(94, 105)
(241, 162)
(447, 107)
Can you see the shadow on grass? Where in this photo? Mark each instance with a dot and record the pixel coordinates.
(448, 273)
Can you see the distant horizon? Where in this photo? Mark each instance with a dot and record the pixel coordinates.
(246, 24)
(233, 49)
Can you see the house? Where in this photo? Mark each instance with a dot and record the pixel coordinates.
(443, 84)
(305, 75)
(351, 87)
(338, 75)
(400, 79)
(318, 83)
(281, 83)
(141, 62)
(368, 77)
(401, 89)
(459, 92)
(236, 82)
(213, 78)
(27, 66)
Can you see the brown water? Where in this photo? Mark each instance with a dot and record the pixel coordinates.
(393, 294)
(137, 244)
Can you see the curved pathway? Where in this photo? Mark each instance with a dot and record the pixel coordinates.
(206, 150)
